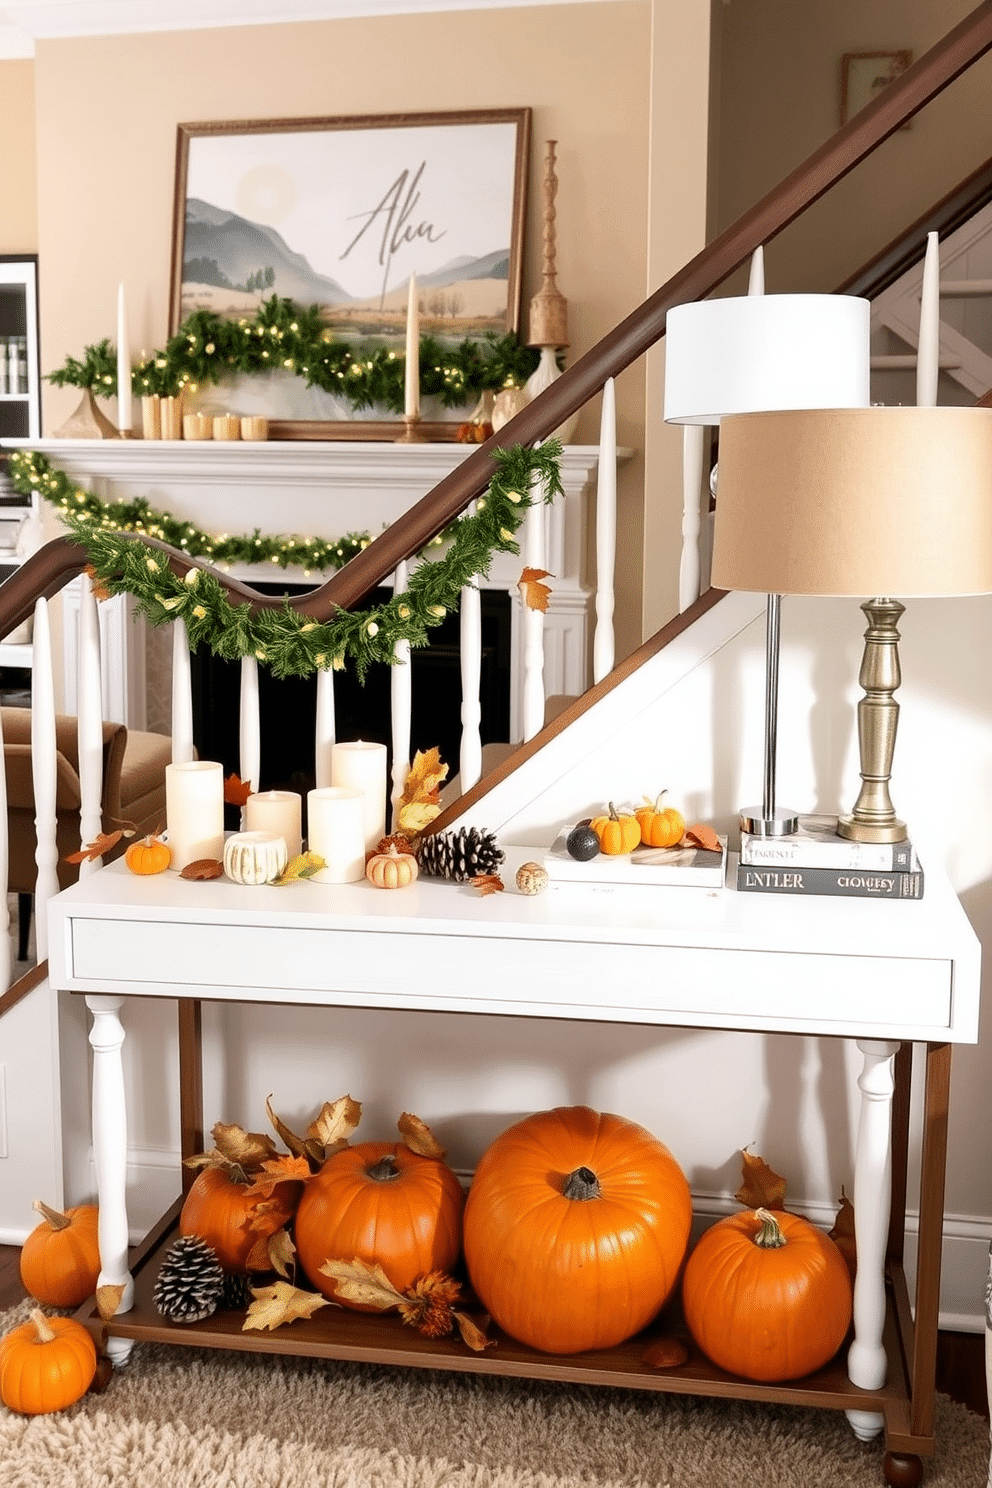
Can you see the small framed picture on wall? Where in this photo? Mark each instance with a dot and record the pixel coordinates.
(864, 75)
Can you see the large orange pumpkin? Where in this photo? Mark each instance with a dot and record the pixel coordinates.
(45, 1364)
(767, 1296)
(576, 1226)
(382, 1203)
(231, 1219)
(60, 1259)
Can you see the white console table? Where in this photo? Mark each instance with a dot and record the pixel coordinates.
(884, 975)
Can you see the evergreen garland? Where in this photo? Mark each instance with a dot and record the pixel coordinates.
(283, 336)
(295, 645)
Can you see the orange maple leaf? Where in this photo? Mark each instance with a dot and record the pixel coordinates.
(699, 835)
(95, 849)
(278, 1170)
(487, 883)
(236, 790)
(535, 594)
(202, 869)
(420, 801)
(762, 1188)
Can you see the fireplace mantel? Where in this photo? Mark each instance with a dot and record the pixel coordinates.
(330, 488)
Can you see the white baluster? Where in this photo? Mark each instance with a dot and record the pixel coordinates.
(182, 696)
(400, 696)
(326, 727)
(250, 737)
(866, 1362)
(90, 726)
(110, 1156)
(43, 772)
(928, 351)
(690, 568)
(470, 641)
(604, 644)
(532, 621)
(6, 964)
(756, 274)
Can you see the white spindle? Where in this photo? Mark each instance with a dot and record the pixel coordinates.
(325, 729)
(470, 639)
(250, 737)
(6, 965)
(756, 275)
(43, 772)
(401, 702)
(928, 353)
(182, 696)
(690, 566)
(532, 621)
(89, 695)
(604, 644)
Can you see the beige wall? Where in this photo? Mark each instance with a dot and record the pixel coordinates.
(18, 199)
(108, 109)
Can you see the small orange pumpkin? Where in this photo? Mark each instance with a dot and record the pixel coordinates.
(60, 1259)
(767, 1296)
(391, 869)
(618, 833)
(46, 1364)
(660, 827)
(148, 855)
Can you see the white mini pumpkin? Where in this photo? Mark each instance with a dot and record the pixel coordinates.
(254, 857)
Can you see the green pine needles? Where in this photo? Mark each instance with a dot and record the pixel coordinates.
(292, 645)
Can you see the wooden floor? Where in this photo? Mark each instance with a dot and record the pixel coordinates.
(960, 1356)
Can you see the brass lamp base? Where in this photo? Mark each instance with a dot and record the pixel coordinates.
(411, 431)
(873, 818)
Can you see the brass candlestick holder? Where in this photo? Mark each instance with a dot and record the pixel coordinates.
(411, 431)
(873, 817)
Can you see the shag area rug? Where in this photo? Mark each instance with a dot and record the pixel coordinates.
(180, 1418)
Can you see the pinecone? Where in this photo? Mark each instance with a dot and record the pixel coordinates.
(461, 855)
(237, 1290)
(190, 1282)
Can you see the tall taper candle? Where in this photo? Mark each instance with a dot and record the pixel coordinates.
(276, 811)
(412, 402)
(336, 833)
(194, 811)
(123, 367)
(362, 766)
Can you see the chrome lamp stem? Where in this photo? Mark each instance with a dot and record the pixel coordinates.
(770, 822)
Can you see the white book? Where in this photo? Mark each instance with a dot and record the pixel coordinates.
(685, 867)
(817, 845)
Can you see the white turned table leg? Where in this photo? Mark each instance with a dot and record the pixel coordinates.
(866, 1361)
(110, 1156)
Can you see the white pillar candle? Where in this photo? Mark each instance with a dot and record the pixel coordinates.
(123, 366)
(194, 811)
(362, 766)
(412, 386)
(278, 812)
(336, 823)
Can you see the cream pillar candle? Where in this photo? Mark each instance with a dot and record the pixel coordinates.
(279, 812)
(412, 382)
(194, 811)
(336, 822)
(123, 367)
(362, 766)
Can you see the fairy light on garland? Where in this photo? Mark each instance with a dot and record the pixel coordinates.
(290, 644)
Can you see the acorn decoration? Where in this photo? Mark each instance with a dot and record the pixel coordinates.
(190, 1283)
(460, 856)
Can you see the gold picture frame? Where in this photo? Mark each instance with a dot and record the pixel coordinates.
(340, 212)
(865, 74)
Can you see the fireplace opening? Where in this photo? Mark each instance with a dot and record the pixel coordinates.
(288, 706)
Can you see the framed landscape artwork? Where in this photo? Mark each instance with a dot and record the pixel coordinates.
(338, 213)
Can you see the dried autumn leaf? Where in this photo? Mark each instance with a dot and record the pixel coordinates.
(108, 1299)
(293, 1142)
(472, 1334)
(429, 1305)
(203, 869)
(487, 883)
(420, 802)
(699, 835)
(360, 1281)
(304, 865)
(402, 844)
(248, 1149)
(843, 1234)
(280, 1303)
(236, 790)
(665, 1353)
(211, 1159)
(101, 844)
(266, 1219)
(416, 816)
(762, 1188)
(282, 1253)
(335, 1122)
(535, 595)
(278, 1170)
(418, 1136)
(100, 590)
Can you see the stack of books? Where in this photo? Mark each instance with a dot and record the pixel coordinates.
(667, 867)
(815, 860)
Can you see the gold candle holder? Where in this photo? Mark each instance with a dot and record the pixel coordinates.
(411, 431)
(227, 426)
(197, 426)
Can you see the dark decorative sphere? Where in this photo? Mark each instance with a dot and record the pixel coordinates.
(582, 844)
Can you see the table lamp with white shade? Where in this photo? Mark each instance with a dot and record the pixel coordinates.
(756, 352)
(865, 502)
